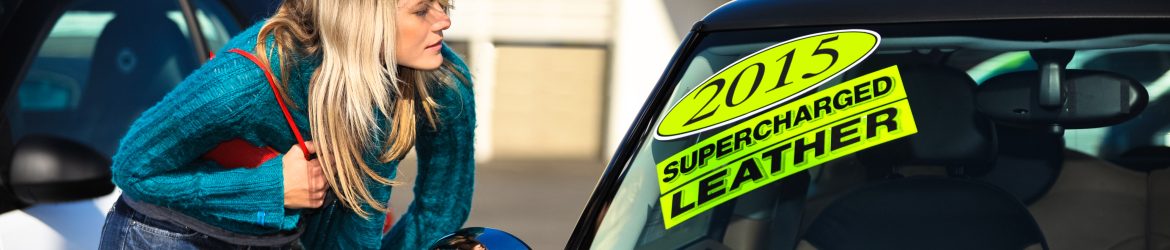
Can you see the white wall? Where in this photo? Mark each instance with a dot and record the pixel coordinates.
(646, 35)
(643, 41)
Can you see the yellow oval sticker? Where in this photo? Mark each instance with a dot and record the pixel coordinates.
(765, 79)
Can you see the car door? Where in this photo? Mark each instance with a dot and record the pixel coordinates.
(96, 67)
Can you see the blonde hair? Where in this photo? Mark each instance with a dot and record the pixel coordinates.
(357, 84)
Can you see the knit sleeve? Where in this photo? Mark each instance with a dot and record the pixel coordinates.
(158, 160)
(446, 171)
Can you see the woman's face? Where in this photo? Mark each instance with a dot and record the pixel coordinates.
(420, 33)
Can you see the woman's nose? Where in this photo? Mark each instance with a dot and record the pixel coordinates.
(443, 22)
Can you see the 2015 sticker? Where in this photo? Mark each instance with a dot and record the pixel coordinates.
(826, 125)
(765, 79)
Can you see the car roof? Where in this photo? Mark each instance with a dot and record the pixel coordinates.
(748, 14)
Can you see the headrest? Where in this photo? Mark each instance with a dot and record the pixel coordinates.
(137, 44)
(950, 132)
(139, 56)
(1028, 163)
(1140, 143)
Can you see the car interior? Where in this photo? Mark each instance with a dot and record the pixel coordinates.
(151, 66)
(967, 179)
(103, 65)
(921, 210)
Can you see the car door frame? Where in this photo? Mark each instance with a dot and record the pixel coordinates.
(195, 33)
(25, 31)
(611, 179)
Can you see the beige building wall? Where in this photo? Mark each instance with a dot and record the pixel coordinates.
(482, 24)
(548, 102)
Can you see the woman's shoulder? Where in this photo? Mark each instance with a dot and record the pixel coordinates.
(229, 70)
(245, 40)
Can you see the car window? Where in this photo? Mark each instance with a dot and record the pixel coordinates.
(781, 214)
(102, 64)
(217, 23)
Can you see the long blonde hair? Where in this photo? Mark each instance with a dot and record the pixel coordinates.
(357, 84)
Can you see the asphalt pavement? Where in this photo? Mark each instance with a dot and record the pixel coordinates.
(539, 201)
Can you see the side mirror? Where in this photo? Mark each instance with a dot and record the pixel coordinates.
(1090, 99)
(480, 238)
(48, 169)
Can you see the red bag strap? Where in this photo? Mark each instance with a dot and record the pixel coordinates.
(279, 100)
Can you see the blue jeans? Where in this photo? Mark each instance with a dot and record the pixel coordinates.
(129, 229)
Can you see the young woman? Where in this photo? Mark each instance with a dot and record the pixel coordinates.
(367, 80)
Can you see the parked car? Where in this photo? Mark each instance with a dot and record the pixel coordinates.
(1024, 124)
(76, 74)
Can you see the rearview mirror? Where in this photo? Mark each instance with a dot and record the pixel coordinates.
(1090, 99)
(49, 169)
(480, 238)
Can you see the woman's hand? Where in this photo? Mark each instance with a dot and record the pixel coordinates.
(304, 181)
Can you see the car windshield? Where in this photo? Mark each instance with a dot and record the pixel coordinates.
(1084, 186)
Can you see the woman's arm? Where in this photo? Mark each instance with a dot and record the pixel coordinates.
(446, 171)
(158, 160)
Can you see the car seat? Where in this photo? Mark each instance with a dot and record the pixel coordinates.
(1133, 144)
(1080, 201)
(1073, 200)
(929, 212)
(1093, 205)
(140, 55)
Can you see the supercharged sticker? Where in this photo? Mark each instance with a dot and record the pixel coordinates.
(765, 79)
(826, 125)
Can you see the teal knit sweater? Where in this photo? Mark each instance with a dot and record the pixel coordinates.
(159, 159)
